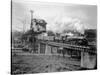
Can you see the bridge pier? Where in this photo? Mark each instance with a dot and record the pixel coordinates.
(88, 60)
(38, 48)
(48, 49)
(41, 48)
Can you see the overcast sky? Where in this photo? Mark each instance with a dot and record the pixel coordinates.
(59, 16)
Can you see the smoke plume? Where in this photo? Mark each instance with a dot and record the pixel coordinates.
(59, 24)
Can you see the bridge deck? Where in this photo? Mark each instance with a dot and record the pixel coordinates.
(69, 46)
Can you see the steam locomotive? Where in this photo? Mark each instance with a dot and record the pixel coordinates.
(68, 40)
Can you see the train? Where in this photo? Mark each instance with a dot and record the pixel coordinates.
(79, 40)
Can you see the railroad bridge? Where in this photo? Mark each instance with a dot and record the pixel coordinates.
(88, 55)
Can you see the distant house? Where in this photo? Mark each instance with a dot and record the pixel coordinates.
(91, 35)
(67, 34)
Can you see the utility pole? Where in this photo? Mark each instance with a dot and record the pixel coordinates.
(24, 25)
(32, 31)
(31, 11)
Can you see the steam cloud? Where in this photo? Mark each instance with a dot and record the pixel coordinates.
(59, 24)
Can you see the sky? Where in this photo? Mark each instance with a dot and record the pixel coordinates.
(59, 16)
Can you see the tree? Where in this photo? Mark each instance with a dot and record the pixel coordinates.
(50, 33)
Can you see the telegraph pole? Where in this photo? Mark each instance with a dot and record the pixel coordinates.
(31, 11)
(32, 31)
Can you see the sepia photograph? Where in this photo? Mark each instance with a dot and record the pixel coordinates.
(52, 37)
